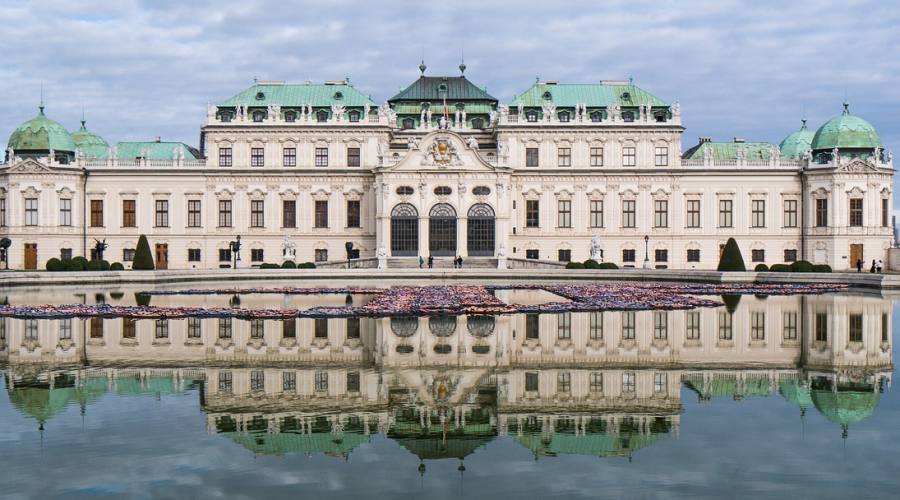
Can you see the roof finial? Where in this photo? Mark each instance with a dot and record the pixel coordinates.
(846, 107)
(82, 117)
(462, 61)
(41, 106)
(422, 66)
(803, 124)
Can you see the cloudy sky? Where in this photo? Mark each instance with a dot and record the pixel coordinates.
(143, 69)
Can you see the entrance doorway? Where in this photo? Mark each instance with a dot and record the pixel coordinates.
(404, 231)
(856, 253)
(31, 256)
(162, 256)
(442, 231)
(480, 231)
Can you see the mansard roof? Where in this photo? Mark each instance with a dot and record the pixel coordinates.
(600, 95)
(285, 95)
(728, 150)
(436, 88)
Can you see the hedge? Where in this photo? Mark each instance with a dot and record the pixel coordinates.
(801, 266)
(780, 268)
(54, 264)
(591, 264)
(288, 264)
(574, 265)
(116, 266)
(306, 265)
(731, 259)
(608, 265)
(78, 264)
(143, 259)
(821, 268)
(761, 268)
(269, 265)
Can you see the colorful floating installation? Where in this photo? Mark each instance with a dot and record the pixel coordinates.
(437, 300)
(288, 290)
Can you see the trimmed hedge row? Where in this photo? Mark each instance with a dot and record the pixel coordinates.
(591, 264)
(82, 264)
(289, 264)
(800, 266)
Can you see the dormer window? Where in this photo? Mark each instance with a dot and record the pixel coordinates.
(225, 116)
(626, 96)
(628, 116)
(563, 116)
(532, 116)
(260, 96)
(290, 116)
(548, 96)
(322, 116)
(477, 123)
(354, 116)
(442, 87)
(660, 117)
(259, 116)
(408, 123)
(460, 106)
(338, 96)
(596, 117)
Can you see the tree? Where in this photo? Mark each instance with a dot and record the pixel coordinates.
(143, 259)
(731, 259)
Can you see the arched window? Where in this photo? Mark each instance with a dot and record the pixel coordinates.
(547, 96)
(290, 116)
(322, 116)
(405, 326)
(225, 116)
(443, 191)
(480, 326)
(442, 326)
(660, 116)
(354, 116)
(481, 190)
(480, 232)
(442, 230)
(477, 123)
(338, 96)
(408, 123)
(531, 116)
(260, 96)
(596, 117)
(628, 116)
(259, 116)
(563, 116)
(404, 229)
(404, 191)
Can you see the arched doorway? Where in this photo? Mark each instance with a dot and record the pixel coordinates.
(442, 230)
(480, 233)
(404, 230)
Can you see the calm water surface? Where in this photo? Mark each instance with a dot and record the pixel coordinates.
(772, 397)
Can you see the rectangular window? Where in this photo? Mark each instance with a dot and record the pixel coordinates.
(194, 328)
(321, 214)
(821, 212)
(289, 328)
(225, 382)
(563, 382)
(321, 254)
(532, 213)
(564, 157)
(660, 213)
(629, 214)
(629, 325)
(758, 255)
(129, 328)
(789, 328)
(660, 325)
(790, 255)
(693, 214)
(596, 157)
(162, 329)
(3, 213)
(628, 382)
(353, 157)
(564, 326)
(289, 213)
(257, 329)
(257, 157)
(257, 213)
(758, 326)
(885, 331)
(856, 212)
(289, 157)
(725, 213)
(693, 255)
(224, 157)
(692, 325)
(31, 328)
(353, 213)
(596, 213)
(629, 156)
(65, 328)
(256, 255)
(353, 382)
(321, 157)
(531, 381)
(224, 328)
(224, 255)
(757, 213)
(596, 330)
(662, 156)
(660, 383)
(194, 219)
(885, 213)
(65, 253)
(661, 255)
(65, 212)
(596, 382)
(127, 254)
(257, 380)
(321, 381)
(162, 213)
(726, 331)
(96, 213)
(531, 157)
(288, 381)
(532, 327)
(821, 327)
(193, 255)
(31, 211)
(564, 255)
(532, 253)
(628, 255)
(564, 211)
(856, 328)
(224, 213)
(352, 328)
(128, 213)
(790, 213)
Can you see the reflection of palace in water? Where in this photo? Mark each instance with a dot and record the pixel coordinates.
(604, 384)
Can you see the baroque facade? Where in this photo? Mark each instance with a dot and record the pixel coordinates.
(561, 172)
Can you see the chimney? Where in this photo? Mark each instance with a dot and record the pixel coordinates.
(738, 140)
(158, 139)
(705, 139)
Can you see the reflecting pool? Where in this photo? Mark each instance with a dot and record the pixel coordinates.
(764, 397)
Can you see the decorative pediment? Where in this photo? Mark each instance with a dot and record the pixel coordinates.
(225, 193)
(320, 195)
(30, 166)
(444, 150)
(856, 191)
(857, 165)
(660, 194)
(353, 194)
(257, 194)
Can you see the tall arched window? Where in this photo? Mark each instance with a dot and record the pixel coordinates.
(477, 123)
(442, 326)
(480, 326)
(405, 326)
(404, 230)
(480, 233)
(322, 116)
(442, 230)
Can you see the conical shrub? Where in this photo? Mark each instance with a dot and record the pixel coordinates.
(143, 259)
(731, 259)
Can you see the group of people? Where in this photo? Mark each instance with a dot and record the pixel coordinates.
(877, 266)
(457, 262)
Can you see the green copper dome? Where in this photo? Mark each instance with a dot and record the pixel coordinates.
(846, 132)
(41, 134)
(90, 144)
(794, 145)
(845, 407)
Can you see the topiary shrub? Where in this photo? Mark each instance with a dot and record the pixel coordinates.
(574, 265)
(780, 268)
(65, 265)
(94, 265)
(288, 264)
(269, 265)
(116, 266)
(104, 265)
(591, 264)
(761, 268)
(143, 259)
(608, 265)
(731, 302)
(731, 259)
(821, 268)
(801, 266)
(142, 299)
(54, 265)
(79, 264)
(306, 265)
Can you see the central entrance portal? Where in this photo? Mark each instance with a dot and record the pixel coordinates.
(442, 231)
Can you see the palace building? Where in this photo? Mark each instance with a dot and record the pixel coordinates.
(559, 172)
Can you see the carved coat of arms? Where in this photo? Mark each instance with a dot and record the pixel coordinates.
(442, 153)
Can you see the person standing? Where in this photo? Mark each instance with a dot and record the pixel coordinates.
(430, 262)
(459, 260)
(421, 261)
(873, 266)
(859, 265)
(880, 266)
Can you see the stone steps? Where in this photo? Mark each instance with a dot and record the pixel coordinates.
(442, 263)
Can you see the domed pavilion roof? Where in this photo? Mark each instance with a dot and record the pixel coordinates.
(794, 145)
(41, 134)
(846, 131)
(90, 144)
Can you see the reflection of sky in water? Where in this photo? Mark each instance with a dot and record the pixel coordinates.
(152, 437)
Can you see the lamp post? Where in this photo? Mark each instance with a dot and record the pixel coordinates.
(5, 243)
(646, 252)
(349, 247)
(236, 250)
